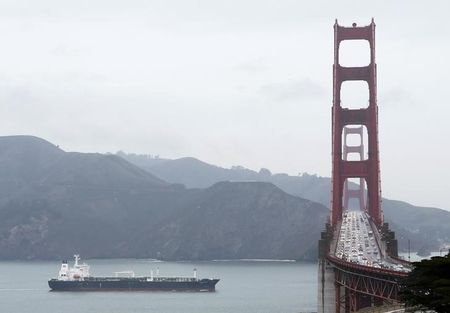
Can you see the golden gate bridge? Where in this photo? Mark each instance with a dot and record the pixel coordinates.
(359, 265)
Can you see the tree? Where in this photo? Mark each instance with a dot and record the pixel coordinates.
(428, 285)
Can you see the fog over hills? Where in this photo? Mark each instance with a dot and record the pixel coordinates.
(425, 227)
(54, 203)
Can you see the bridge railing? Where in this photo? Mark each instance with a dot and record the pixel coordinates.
(365, 268)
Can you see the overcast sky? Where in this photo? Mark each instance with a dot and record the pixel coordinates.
(229, 82)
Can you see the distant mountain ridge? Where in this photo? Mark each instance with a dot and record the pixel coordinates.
(424, 227)
(194, 173)
(55, 203)
(28, 159)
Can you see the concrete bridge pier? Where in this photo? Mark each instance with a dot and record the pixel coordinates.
(328, 298)
(328, 294)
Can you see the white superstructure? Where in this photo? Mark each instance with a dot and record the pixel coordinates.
(77, 272)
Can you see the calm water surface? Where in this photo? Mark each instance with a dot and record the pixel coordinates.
(245, 286)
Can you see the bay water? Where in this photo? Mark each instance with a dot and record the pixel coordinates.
(247, 286)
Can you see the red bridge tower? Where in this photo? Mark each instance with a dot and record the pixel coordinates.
(367, 170)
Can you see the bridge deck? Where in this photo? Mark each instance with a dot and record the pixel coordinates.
(358, 243)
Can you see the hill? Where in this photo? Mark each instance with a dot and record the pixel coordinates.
(54, 203)
(243, 220)
(426, 228)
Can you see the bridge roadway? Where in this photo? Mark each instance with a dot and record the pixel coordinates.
(358, 242)
(358, 272)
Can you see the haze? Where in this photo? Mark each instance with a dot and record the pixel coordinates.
(229, 82)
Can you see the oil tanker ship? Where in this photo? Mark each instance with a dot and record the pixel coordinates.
(77, 278)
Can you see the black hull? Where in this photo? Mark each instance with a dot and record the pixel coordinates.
(132, 284)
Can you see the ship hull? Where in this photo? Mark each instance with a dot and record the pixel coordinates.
(131, 284)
